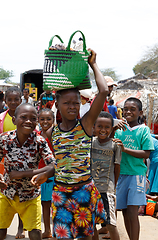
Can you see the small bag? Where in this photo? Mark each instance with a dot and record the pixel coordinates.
(66, 68)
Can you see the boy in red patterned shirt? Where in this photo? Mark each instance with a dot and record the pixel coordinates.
(22, 150)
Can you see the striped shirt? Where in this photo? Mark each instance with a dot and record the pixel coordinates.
(72, 153)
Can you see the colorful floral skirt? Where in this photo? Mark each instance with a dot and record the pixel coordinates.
(76, 210)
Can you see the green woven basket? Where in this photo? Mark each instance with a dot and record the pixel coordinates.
(66, 68)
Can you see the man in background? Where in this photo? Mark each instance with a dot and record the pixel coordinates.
(26, 98)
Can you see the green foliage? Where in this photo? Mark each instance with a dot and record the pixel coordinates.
(106, 72)
(149, 62)
(111, 73)
(6, 74)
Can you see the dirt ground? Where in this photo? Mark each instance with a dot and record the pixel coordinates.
(148, 226)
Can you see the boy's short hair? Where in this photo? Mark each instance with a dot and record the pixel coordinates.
(46, 110)
(111, 101)
(22, 105)
(136, 101)
(12, 89)
(26, 89)
(59, 92)
(106, 115)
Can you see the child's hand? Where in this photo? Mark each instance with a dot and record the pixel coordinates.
(119, 142)
(37, 180)
(92, 57)
(3, 185)
(121, 125)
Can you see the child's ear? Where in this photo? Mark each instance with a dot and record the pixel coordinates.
(94, 134)
(140, 113)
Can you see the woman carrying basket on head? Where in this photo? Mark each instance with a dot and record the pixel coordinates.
(77, 204)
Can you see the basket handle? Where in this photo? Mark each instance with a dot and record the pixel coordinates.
(51, 40)
(84, 41)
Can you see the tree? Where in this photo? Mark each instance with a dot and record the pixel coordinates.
(111, 73)
(6, 74)
(149, 62)
(106, 72)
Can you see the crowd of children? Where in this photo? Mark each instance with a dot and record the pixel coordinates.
(78, 164)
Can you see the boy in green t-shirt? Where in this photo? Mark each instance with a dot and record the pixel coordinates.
(136, 144)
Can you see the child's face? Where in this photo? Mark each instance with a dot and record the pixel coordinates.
(69, 105)
(48, 91)
(25, 120)
(46, 120)
(103, 128)
(13, 100)
(131, 112)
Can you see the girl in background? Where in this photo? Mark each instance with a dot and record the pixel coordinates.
(46, 120)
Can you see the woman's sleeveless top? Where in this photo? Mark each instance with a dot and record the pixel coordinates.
(72, 152)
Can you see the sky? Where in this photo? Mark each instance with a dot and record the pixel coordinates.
(120, 32)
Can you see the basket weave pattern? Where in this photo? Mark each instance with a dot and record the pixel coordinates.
(65, 69)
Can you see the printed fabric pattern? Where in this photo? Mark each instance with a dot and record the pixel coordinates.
(76, 210)
(22, 158)
(72, 154)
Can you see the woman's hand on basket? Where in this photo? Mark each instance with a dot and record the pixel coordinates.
(92, 57)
